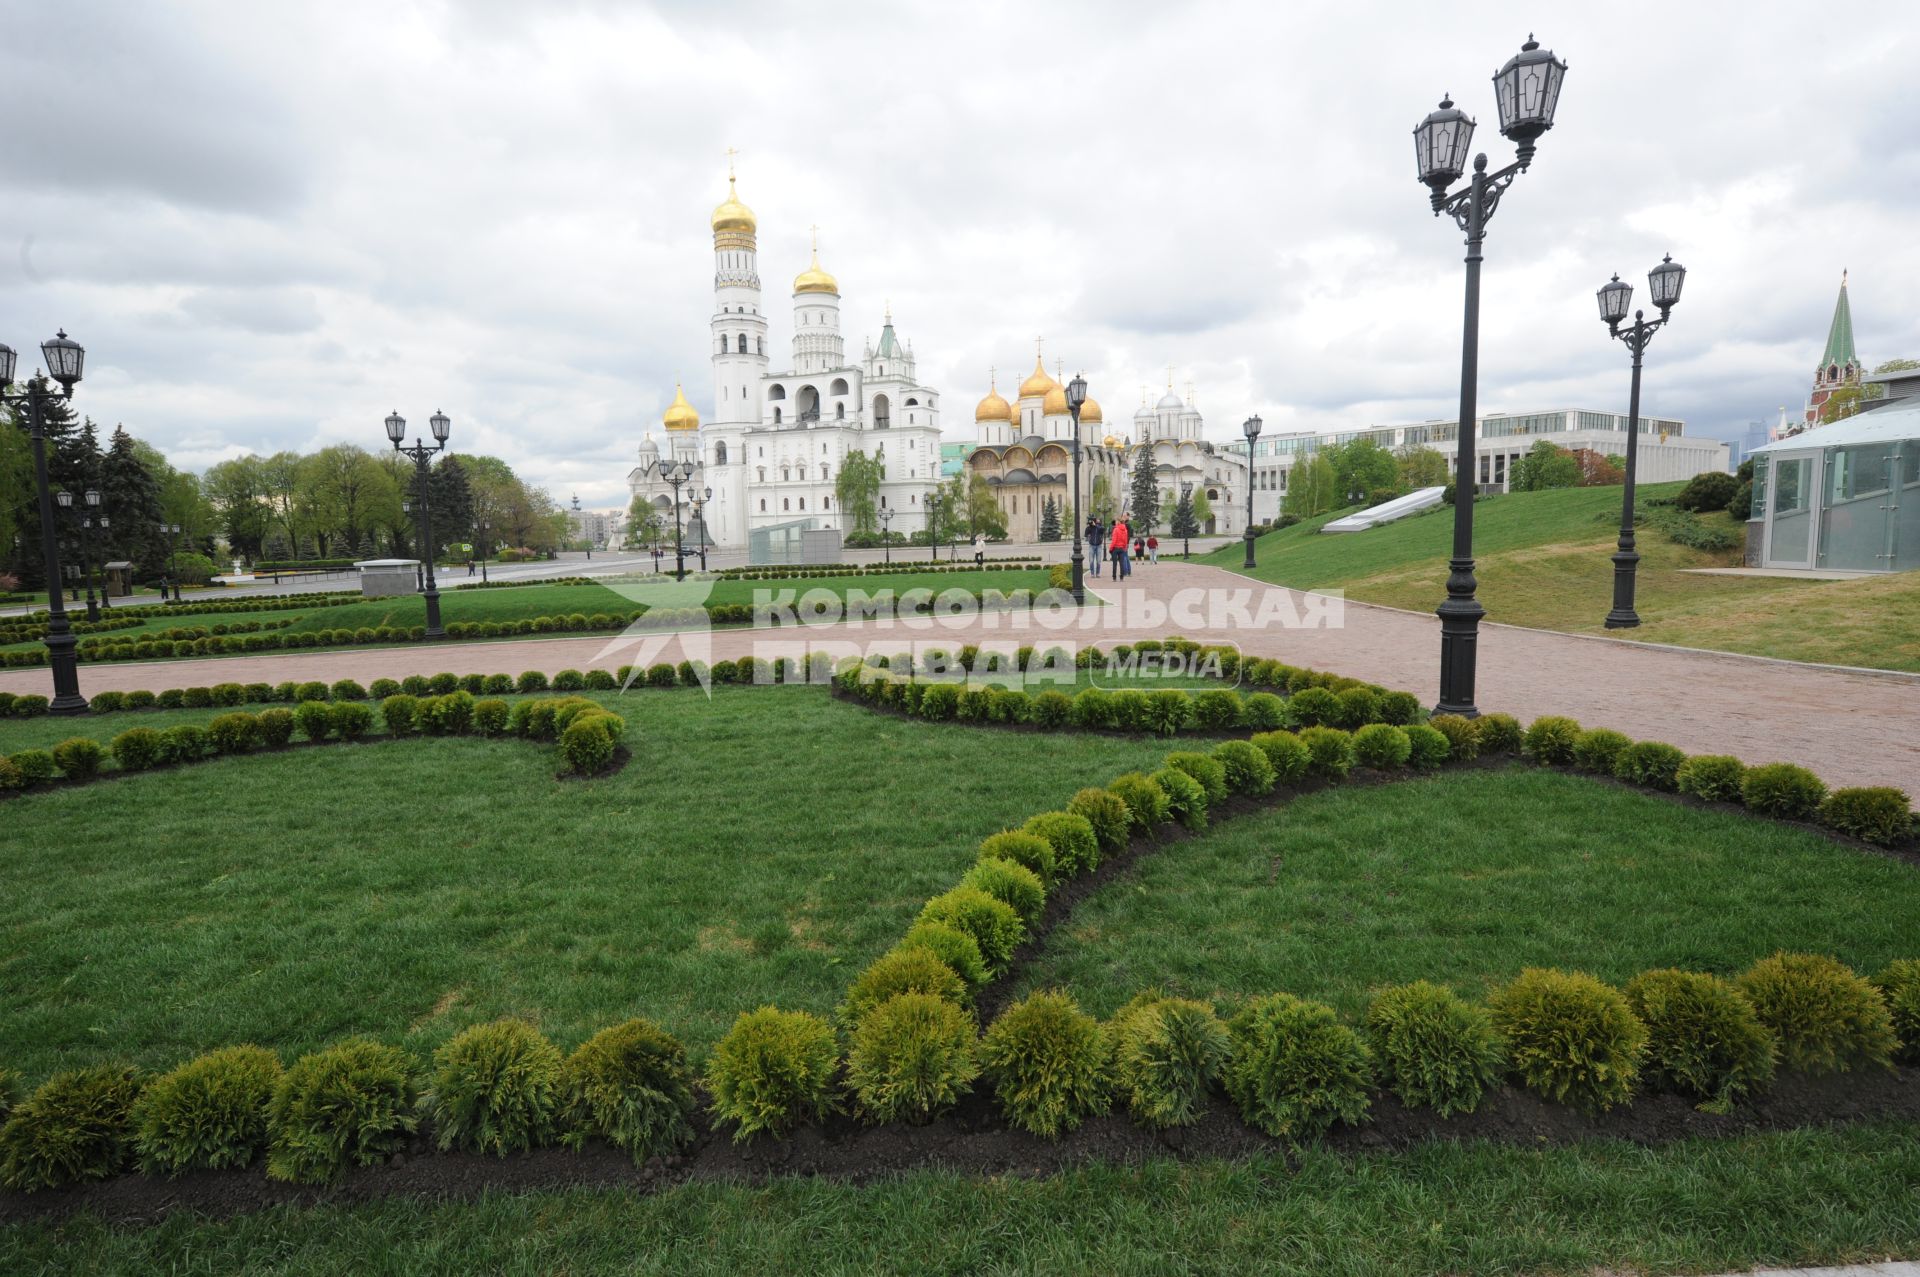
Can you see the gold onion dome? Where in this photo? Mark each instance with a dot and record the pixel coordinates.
(1036, 386)
(1090, 411)
(680, 414)
(732, 215)
(1112, 441)
(993, 408)
(1056, 401)
(815, 280)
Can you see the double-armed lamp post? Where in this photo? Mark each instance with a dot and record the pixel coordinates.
(1251, 429)
(173, 563)
(422, 454)
(677, 473)
(1664, 281)
(64, 359)
(1527, 90)
(886, 545)
(1076, 399)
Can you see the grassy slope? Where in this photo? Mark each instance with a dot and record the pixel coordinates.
(1468, 878)
(1543, 560)
(760, 847)
(1803, 1197)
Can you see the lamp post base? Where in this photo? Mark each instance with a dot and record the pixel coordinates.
(1623, 617)
(1249, 538)
(1460, 617)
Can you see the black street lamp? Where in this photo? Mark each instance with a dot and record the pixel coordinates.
(64, 359)
(422, 454)
(1665, 281)
(886, 545)
(1527, 90)
(1076, 397)
(677, 473)
(90, 500)
(933, 521)
(173, 566)
(1186, 528)
(1251, 429)
(483, 528)
(699, 522)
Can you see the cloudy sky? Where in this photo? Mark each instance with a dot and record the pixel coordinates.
(270, 224)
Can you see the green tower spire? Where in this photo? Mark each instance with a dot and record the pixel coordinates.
(1840, 333)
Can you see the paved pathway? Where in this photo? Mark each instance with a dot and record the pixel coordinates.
(1851, 728)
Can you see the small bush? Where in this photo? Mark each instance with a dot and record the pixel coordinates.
(1029, 850)
(569, 681)
(381, 688)
(1595, 749)
(660, 675)
(141, 700)
(1048, 1062)
(588, 744)
(1782, 790)
(1899, 984)
(1712, 490)
(992, 923)
(1208, 771)
(79, 757)
(1315, 707)
(1295, 1069)
(276, 727)
(914, 969)
(446, 714)
(1571, 1038)
(351, 720)
(1329, 751)
(1215, 709)
(174, 698)
(1051, 709)
(1186, 798)
(954, 947)
(1876, 813)
(314, 719)
(311, 691)
(1713, 777)
(416, 685)
(348, 690)
(1289, 757)
(196, 697)
(912, 1057)
(490, 716)
(77, 1126)
(102, 702)
(1827, 1019)
(234, 733)
(1263, 712)
(1704, 1038)
(500, 685)
(1108, 814)
(628, 1084)
(1402, 709)
(1247, 768)
(1145, 801)
(183, 744)
(208, 1114)
(1463, 736)
(1498, 733)
(494, 1089)
(136, 749)
(1016, 885)
(1382, 747)
(1167, 1053)
(1652, 763)
(1428, 745)
(1358, 707)
(349, 1105)
(400, 712)
(1550, 740)
(531, 681)
(1169, 710)
(772, 1071)
(35, 767)
(1435, 1049)
(1075, 848)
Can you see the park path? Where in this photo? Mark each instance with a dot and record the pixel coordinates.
(1851, 728)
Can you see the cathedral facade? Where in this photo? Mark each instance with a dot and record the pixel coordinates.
(769, 457)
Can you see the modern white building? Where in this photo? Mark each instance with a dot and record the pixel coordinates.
(770, 454)
(1665, 453)
(1841, 497)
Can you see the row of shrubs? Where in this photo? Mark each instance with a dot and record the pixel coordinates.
(275, 603)
(897, 567)
(515, 585)
(22, 630)
(1290, 1066)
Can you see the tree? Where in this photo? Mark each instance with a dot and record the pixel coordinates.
(280, 490)
(130, 496)
(984, 516)
(1185, 522)
(1202, 509)
(1597, 471)
(857, 489)
(1049, 519)
(1144, 510)
(1898, 365)
(1362, 469)
(1311, 487)
(1421, 467)
(1544, 466)
(236, 490)
(345, 493)
(644, 524)
(64, 470)
(1845, 402)
(1100, 501)
(452, 502)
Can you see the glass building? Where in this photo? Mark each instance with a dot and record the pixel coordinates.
(1842, 497)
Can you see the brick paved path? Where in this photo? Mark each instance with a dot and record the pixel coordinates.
(1851, 728)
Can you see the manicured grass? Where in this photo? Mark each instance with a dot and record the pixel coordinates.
(1467, 878)
(760, 847)
(1803, 1197)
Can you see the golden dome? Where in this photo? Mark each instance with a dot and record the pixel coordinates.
(993, 408)
(1056, 401)
(1090, 411)
(815, 280)
(680, 414)
(1111, 441)
(732, 215)
(1036, 386)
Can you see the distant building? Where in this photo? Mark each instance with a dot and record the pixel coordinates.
(595, 527)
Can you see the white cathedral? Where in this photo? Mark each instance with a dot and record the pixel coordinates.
(769, 456)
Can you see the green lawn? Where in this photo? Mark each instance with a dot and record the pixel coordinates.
(760, 847)
(1700, 1206)
(1465, 879)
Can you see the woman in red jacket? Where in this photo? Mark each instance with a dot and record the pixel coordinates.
(1117, 546)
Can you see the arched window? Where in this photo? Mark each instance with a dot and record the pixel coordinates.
(743, 343)
(785, 504)
(720, 453)
(803, 503)
(763, 505)
(723, 343)
(839, 386)
(786, 475)
(776, 414)
(883, 501)
(882, 412)
(823, 472)
(912, 402)
(839, 412)
(759, 345)
(826, 503)
(777, 392)
(763, 473)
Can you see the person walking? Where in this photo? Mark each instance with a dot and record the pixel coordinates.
(1139, 550)
(979, 550)
(1117, 550)
(1096, 544)
(1153, 549)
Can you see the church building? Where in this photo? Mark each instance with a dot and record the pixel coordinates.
(1839, 366)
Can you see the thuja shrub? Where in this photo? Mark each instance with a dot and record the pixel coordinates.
(1329, 751)
(1186, 797)
(1014, 885)
(10, 779)
(1247, 769)
(1051, 709)
(1358, 707)
(1167, 1053)
(314, 719)
(348, 690)
(310, 691)
(399, 712)
(913, 969)
(630, 1085)
(497, 684)
(1294, 1069)
(1550, 740)
(1132, 710)
(77, 1126)
(276, 727)
(1108, 814)
(1571, 1038)
(35, 767)
(1075, 848)
(1288, 755)
(954, 947)
(1029, 850)
(531, 681)
(1145, 801)
(1827, 1019)
(136, 749)
(773, 1070)
(141, 699)
(1782, 790)
(416, 685)
(447, 714)
(494, 1089)
(569, 681)
(1048, 1062)
(443, 683)
(1899, 985)
(1314, 707)
(490, 716)
(79, 758)
(1498, 733)
(589, 743)
(1434, 1048)
(1874, 813)
(1713, 777)
(1595, 749)
(911, 1058)
(1652, 763)
(1704, 1038)
(381, 688)
(1428, 746)
(349, 1105)
(1211, 774)
(1263, 712)
(1399, 708)
(1463, 736)
(992, 923)
(183, 744)
(1215, 709)
(1093, 707)
(234, 733)
(1381, 746)
(208, 1114)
